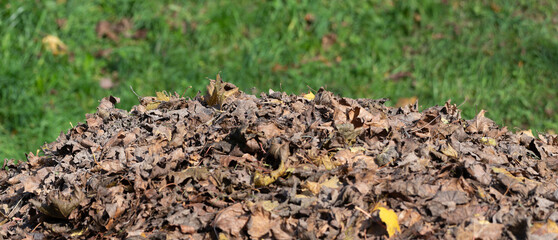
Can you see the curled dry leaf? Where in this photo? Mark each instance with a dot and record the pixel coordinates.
(59, 206)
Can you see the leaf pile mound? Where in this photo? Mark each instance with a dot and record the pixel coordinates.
(230, 165)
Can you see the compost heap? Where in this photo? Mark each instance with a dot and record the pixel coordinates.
(229, 165)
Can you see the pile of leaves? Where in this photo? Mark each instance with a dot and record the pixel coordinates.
(229, 165)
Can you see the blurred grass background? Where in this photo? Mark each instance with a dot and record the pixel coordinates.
(496, 55)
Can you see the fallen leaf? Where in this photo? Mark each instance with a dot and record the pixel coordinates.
(54, 45)
(309, 96)
(161, 97)
(401, 102)
(260, 222)
(232, 220)
(389, 218)
(488, 141)
(328, 40)
(331, 183)
(548, 229)
(480, 230)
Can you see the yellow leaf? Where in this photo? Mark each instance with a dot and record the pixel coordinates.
(269, 205)
(310, 96)
(540, 229)
(389, 217)
(261, 180)
(275, 101)
(54, 45)
(78, 232)
(152, 105)
(323, 160)
(162, 96)
(313, 187)
(357, 149)
(449, 151)
(488, 141)
(222, 236)
(504, 171)
(527, 132)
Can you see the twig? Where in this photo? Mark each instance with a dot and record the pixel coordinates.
(137, 95)
(412, 131)
(365, 213)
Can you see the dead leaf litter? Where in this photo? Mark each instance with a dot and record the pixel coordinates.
(229, 165)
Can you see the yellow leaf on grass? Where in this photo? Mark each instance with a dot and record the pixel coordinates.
(388, 217)
(310, 96)
(54, 45)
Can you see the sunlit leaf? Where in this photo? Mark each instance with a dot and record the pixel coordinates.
(54, 45)
(544, 228)
(449, 151)
(269, 205)
(488, 141)
(218, 91)
(313, 187)
(388, 217)
(161, 96)
(310, 96)
(331, 183)
(401, 102)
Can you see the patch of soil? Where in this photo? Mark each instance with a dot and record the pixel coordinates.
(229, 165)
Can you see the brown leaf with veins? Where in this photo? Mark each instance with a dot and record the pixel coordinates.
(260, 222)
(232, 220)
(480, 230)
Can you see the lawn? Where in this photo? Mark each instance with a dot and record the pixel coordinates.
(501, 56)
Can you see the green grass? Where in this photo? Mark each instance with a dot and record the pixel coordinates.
(500, 56)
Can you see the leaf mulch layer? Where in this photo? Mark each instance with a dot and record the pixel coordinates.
(229, 165)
